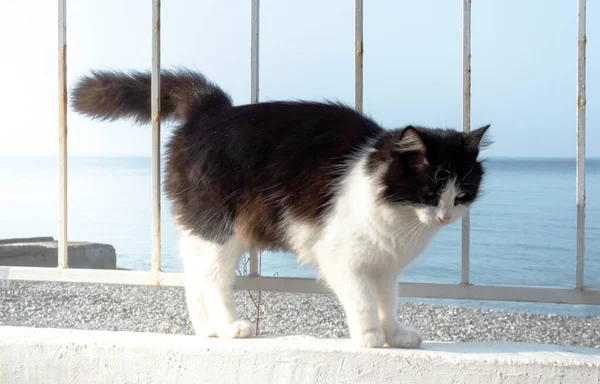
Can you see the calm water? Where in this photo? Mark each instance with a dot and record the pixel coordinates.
(523, 228)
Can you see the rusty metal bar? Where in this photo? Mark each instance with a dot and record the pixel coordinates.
(581, 101)
(254, 30)
(254, 51)
(155, 95)
(254, 263)
(466, 123)
(358, 60)
(63, 245)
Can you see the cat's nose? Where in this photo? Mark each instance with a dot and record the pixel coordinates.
(444, 219)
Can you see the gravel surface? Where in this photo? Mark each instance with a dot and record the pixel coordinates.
(163, 310)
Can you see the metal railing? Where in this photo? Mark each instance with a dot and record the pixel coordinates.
(465, 290)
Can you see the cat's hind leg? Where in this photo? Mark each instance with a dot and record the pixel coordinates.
(209, 273)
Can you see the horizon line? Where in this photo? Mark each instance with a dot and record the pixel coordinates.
(501, 157)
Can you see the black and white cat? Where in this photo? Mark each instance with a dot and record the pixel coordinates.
(354, 200)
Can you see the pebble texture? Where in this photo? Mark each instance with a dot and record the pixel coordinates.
(163, 310)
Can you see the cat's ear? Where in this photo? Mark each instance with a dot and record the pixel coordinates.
(477, 139)
(412, 148)
(411, 142)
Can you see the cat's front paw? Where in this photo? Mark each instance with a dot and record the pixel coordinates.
(403, 337)
(237, 330)
(372, 338)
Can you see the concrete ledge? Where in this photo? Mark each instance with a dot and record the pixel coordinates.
(30, 355)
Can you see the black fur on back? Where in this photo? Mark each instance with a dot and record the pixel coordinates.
(243, 169)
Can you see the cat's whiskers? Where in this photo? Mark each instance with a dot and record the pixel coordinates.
(417, 234)
(403, 231)
(404, 226)
(435, 176)
(468, 173)
(413, 231)
(407, 233)
(406, 244)
(470, 193)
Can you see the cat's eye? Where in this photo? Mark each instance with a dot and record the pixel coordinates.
(460, 198)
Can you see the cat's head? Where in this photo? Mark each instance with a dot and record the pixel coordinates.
(436, 172)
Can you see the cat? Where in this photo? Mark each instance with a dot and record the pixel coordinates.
(355, 200)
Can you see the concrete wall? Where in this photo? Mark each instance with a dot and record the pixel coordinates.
(49, 356)
(43, 252)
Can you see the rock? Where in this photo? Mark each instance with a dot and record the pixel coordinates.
(43, 252)
(27, 240)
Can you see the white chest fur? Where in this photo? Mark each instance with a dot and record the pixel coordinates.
(360, 231)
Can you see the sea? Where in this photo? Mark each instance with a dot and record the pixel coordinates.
(523, 228)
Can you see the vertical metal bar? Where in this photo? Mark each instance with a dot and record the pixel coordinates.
(254, 94)
(155, 102)
(358, 60)
(254, 263)
(254, 52)
(466, 122)
(63, 246)
(581, 101)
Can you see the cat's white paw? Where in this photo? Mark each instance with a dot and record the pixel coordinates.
(403, 337)
(204, 330)
(373, 338)
(237, 330)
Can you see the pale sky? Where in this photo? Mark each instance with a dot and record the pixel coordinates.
(524, 65)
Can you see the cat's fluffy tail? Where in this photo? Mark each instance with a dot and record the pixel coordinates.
(110, 95)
